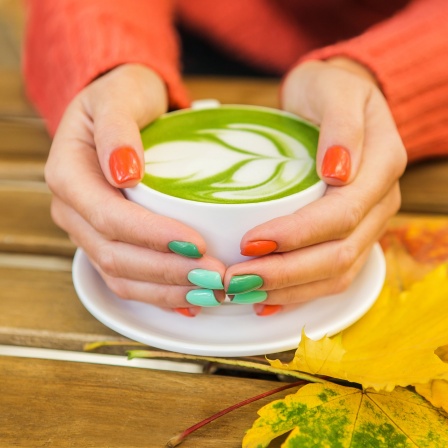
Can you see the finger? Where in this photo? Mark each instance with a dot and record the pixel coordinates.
(318, 262)
(340, 112)
(320, 288)
(153, 293)
(341, 210)
(117, 259)
(139, 96)
(333, 217)
(84, 189)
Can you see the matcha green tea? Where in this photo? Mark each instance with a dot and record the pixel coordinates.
(230, 154)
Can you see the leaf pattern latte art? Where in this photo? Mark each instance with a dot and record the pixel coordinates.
(235, 163)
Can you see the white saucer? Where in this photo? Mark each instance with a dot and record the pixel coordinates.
(229, 330)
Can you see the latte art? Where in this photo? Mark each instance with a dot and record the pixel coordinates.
(224, 160)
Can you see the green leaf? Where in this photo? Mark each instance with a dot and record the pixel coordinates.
(330, 415)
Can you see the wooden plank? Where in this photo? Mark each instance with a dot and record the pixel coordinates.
(39, 306)
(424, 187)
(63, 404)
(21, 169)
(26, 224)
(12, 23)
(11, 33)
(13, 100)
(24, 138)
(255, 91)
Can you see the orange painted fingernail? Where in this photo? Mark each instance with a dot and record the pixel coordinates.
(125, 165)
(258, 248)
(336, 163)
(267, 310)
(187, 312)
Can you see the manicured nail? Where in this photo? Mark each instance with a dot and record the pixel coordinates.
(250, 297)
(258, 248)
(267, 310)
(240, 284)
(202, 297)
(336, 163)
(125, 165)
(187, 312)
(205, 279)
(184, 248)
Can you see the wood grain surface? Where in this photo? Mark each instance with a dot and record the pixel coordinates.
(63, 404)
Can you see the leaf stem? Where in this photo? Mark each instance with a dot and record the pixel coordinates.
(179, 438)
(233, 362)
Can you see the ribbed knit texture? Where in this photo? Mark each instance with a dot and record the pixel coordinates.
(71, 42)
(409, 56)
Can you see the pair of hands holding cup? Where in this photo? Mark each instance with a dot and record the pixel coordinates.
(318, 250)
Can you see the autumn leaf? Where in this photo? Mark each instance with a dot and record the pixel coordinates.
(330, 415)
(392, 345)
(436, 392)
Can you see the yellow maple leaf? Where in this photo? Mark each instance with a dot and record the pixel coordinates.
(392, 345)
(436, 392)
(330, 415)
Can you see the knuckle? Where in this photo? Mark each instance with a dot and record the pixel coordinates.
(54, 213)
(347, 254)
(341, 284)
(353, 216)
(280, 275)
(107, 261)
(119, 288)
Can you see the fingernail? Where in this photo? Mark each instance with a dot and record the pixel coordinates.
(202, 297)
(240, 284)
(205, 279)
(258, 248)
(336, 163)
(250, 297)
(267, 310)
(187, 312)
(184, 248)
(125, 165)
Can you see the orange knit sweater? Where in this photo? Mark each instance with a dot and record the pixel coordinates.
(404, 43)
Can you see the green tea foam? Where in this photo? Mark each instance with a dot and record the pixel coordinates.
(230, 155)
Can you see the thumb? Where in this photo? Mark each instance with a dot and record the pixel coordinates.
(120, 103)
(335, 99)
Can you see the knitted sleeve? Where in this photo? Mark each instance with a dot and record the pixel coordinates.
(69, 43)
(408, 54)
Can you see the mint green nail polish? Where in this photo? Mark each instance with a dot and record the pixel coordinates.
(205, 279)
(250, 297)
(201, 297)
(240, 284)
(184, 248)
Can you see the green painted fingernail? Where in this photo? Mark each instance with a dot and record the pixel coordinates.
(250, 297)
(202, 297)
(184, 248)
(205, 279)
(244, 283)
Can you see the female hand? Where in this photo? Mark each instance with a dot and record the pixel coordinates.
(320, 249)
(97, 149)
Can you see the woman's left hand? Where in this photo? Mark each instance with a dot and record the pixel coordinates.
(320, 249)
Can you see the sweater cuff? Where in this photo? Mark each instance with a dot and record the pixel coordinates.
(408, 56)
(68, 46)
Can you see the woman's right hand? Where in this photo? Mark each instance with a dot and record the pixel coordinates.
(96, 151)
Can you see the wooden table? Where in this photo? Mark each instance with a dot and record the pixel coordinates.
(50, 402)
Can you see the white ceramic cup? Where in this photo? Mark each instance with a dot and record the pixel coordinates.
(223, 225)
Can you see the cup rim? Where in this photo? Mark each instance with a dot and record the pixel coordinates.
(141, 187)
(237, 106)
